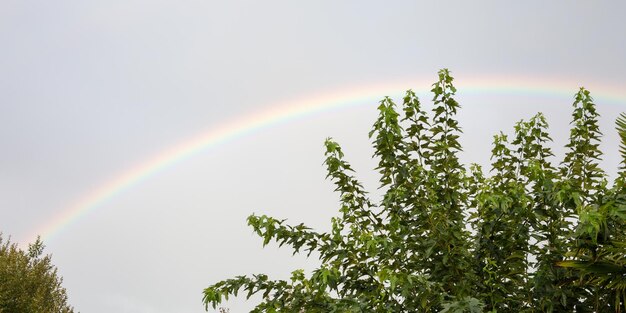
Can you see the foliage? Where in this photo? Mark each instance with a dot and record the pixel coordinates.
(530, 236)
(29, 282)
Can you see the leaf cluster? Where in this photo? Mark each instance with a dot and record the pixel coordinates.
(528, 236)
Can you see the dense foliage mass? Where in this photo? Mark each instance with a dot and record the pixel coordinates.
(29, 282)
(531, 236)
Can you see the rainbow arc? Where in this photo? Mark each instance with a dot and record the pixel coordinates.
(309, 105)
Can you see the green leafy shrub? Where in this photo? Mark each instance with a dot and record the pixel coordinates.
(532, 236)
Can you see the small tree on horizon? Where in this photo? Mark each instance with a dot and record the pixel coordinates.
(532, 236)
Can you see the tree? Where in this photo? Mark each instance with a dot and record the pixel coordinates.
(530, 236)
(600, 255)
(28, 280)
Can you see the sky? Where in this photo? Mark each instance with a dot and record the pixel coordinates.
(137, 136)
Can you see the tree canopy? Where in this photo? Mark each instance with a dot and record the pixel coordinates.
(530, 235)
(29, 282)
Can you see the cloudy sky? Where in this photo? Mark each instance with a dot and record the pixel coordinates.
(93, 91)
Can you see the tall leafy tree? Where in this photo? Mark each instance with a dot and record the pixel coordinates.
(600, 238)
(29, 282)
(528, 236)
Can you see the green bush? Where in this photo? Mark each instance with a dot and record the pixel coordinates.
(532, 236)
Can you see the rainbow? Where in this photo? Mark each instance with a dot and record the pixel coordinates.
(309, 105)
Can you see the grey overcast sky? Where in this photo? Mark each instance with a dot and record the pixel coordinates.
(92, 89)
